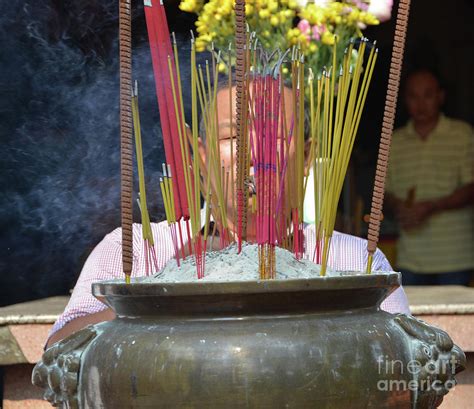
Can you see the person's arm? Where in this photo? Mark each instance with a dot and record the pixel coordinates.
(79, 323)
(415, 215)
(397, 302)
(400, 209)
(460, 198)
(104, 263)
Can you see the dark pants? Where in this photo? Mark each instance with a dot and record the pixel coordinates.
(454, 278)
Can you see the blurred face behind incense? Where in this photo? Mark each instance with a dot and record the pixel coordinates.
(424, 98)
(227, 133)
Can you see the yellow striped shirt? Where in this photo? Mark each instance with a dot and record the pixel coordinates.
(435, 167)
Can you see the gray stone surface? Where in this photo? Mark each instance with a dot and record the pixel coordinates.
(44, 311)
(454, 299)
(10, 351)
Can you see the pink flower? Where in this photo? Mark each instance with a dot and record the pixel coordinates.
(305, 28)
(318, 31)
(382, 9)
(361, 4)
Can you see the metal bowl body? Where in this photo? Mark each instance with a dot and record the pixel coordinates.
(269, 344)
(311, 343)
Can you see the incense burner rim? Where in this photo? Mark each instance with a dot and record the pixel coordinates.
(349, 281)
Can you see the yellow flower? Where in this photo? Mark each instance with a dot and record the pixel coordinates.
(295, 37)
(191, 6)
(228, 7)
(315, 15)
(327, 38)
(292, 4)
(368, 18)
(273, 22)
(353, 16)
(264, 13)
(200, 44)
(272, 6)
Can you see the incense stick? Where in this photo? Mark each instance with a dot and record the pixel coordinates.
(126, 136)
(339, 130)
(160, 48)
(241, 118)
(387, 128)
(166, 192)
(150, 256)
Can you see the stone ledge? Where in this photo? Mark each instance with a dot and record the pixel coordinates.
(24, 329)
(442, 309)
(43, 311)
(449, 299)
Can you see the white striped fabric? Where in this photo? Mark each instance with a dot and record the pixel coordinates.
(105, 263)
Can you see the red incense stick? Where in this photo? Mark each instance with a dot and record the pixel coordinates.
(160, 48)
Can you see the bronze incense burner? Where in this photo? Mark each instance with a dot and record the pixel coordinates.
(321, 342)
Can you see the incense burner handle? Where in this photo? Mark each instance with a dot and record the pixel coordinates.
(437, 358)
(58, 371)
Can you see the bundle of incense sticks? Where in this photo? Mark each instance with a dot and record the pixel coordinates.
(151, 264)
(334, 124)
(277, 157)
(297, 197)
(280, 177)
(289, 207)
(166, 186)
(204, 87)
(265, 110)
(170, 109)
(277, 148)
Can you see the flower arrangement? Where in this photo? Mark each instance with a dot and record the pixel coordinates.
(314, 25)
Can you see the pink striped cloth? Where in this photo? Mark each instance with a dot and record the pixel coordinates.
(105, 263)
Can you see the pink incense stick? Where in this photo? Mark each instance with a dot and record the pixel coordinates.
(264, 120)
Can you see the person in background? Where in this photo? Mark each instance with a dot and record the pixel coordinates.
(105, 262)
(430, 188)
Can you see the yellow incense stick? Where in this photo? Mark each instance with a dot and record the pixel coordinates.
(300, 141)
(145, 218)
(352, 92)
(192, 202)
(197, 191)
(166, 201)
(218, 209)
(183, 142)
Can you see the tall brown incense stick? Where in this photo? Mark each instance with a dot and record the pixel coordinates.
(126, 134)
(242, 146)
(387, 128)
